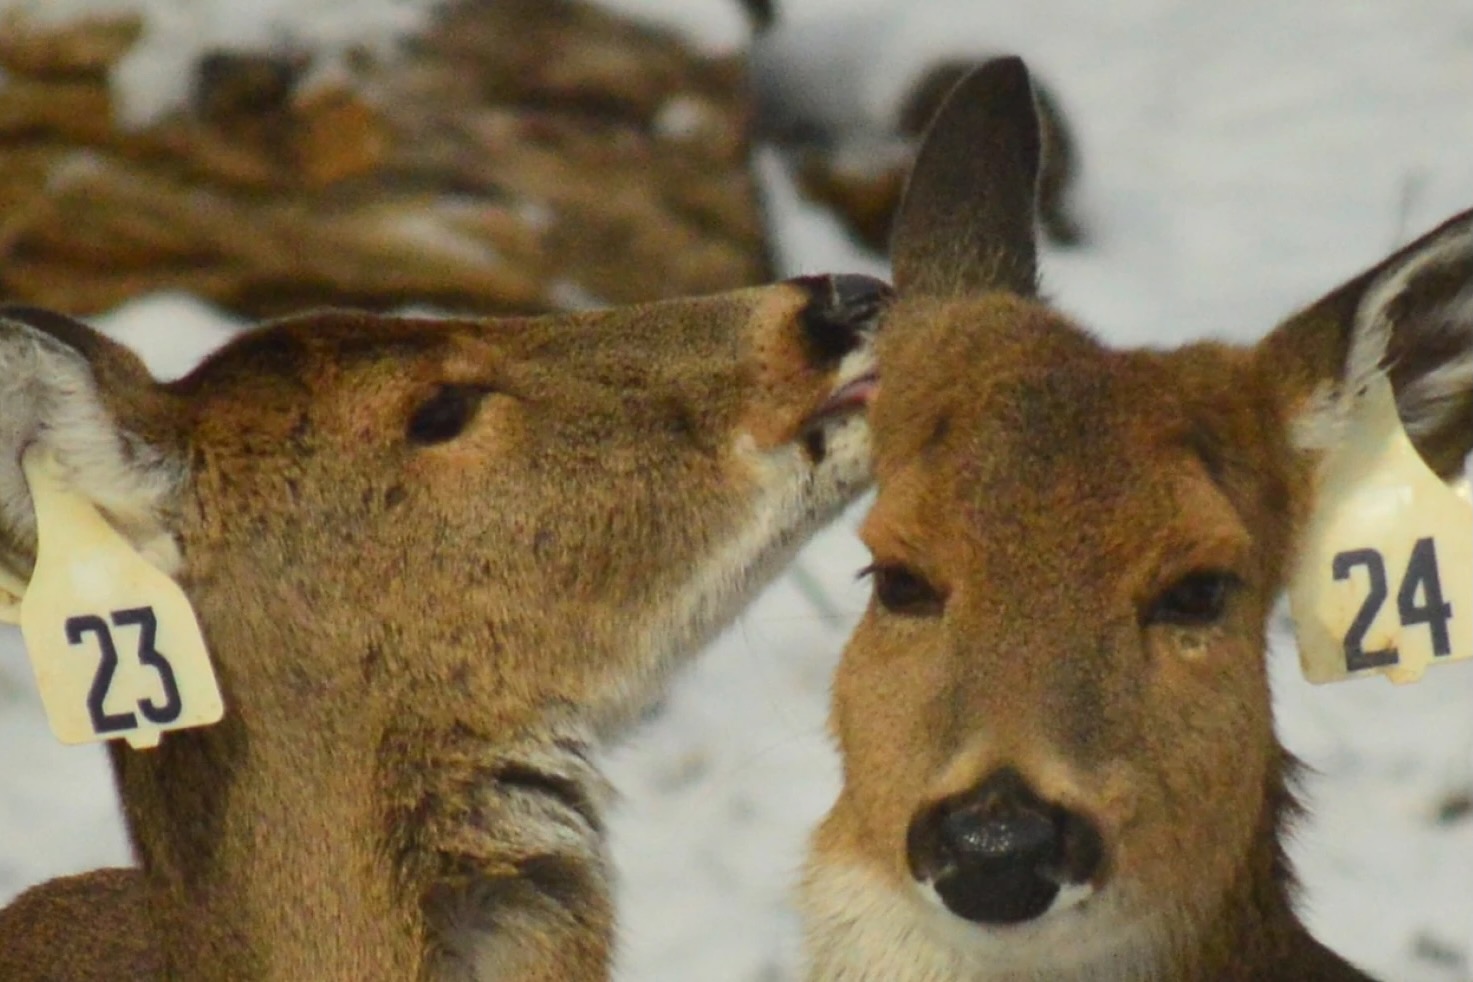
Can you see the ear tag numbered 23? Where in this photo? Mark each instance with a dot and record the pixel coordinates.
(1384, 582)
(114, 643)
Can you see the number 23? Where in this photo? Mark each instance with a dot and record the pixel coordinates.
(143, 619)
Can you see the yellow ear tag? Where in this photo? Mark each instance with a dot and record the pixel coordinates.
(113, 641)
(1384, 580)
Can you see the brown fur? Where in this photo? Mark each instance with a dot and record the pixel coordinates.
(1050, 490)
(468, 167)
(420, 644)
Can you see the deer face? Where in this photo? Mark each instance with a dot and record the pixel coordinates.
(1059, 758)
(1065, 588)
(452, 514)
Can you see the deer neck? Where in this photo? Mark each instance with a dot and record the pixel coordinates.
(1257, 936)
(265, 858)
(358, 845)
(1252, 932)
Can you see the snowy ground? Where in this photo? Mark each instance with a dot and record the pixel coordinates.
(1240, 158)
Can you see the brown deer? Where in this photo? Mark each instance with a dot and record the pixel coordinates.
(1058, 749)
(435, 563)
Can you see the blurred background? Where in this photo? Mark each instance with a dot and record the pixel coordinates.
(172, 169)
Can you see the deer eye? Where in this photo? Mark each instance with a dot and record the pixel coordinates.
(902, 590)
(1195, 600)
(445, 414)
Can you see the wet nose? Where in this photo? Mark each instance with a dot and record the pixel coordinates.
(842, 312)
(999, 854)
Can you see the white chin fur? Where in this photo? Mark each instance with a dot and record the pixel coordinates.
(861, 927)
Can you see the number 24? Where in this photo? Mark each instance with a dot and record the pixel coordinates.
(1421, 575)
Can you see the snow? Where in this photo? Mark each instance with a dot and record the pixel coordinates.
(156, 75)
(714, 27)
(172, 331)
(1240, 158)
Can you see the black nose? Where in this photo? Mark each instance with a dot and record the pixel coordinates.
(842, 311)
(998, 854)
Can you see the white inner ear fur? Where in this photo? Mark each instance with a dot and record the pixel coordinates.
(48, 398)
(1424, 401)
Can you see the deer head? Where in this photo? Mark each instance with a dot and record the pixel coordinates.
(1058, 748)
(434, 561)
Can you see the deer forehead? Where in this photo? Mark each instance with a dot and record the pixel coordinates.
(1038, 451)
(352, 373)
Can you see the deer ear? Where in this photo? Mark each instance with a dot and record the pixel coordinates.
(1411, 317)
(967, 221)
(90, 402)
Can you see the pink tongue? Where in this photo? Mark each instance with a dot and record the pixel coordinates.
(856, 393)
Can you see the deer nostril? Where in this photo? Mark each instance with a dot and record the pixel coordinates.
(999, 854)
(842, 311)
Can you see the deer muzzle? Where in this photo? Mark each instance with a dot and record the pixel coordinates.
(999, 854)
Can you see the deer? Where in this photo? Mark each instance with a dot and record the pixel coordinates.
(1054, 719)
(436, 563)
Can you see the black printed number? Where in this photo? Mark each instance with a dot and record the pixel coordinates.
(1418, 601)
(1433, 610)
(77, 628)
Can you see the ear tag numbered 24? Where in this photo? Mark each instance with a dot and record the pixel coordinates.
(114, 643)
(1384, 582)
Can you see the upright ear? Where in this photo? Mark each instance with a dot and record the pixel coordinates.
(91, 402)
(1410, 316)
(967, 222)
(761, 13)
